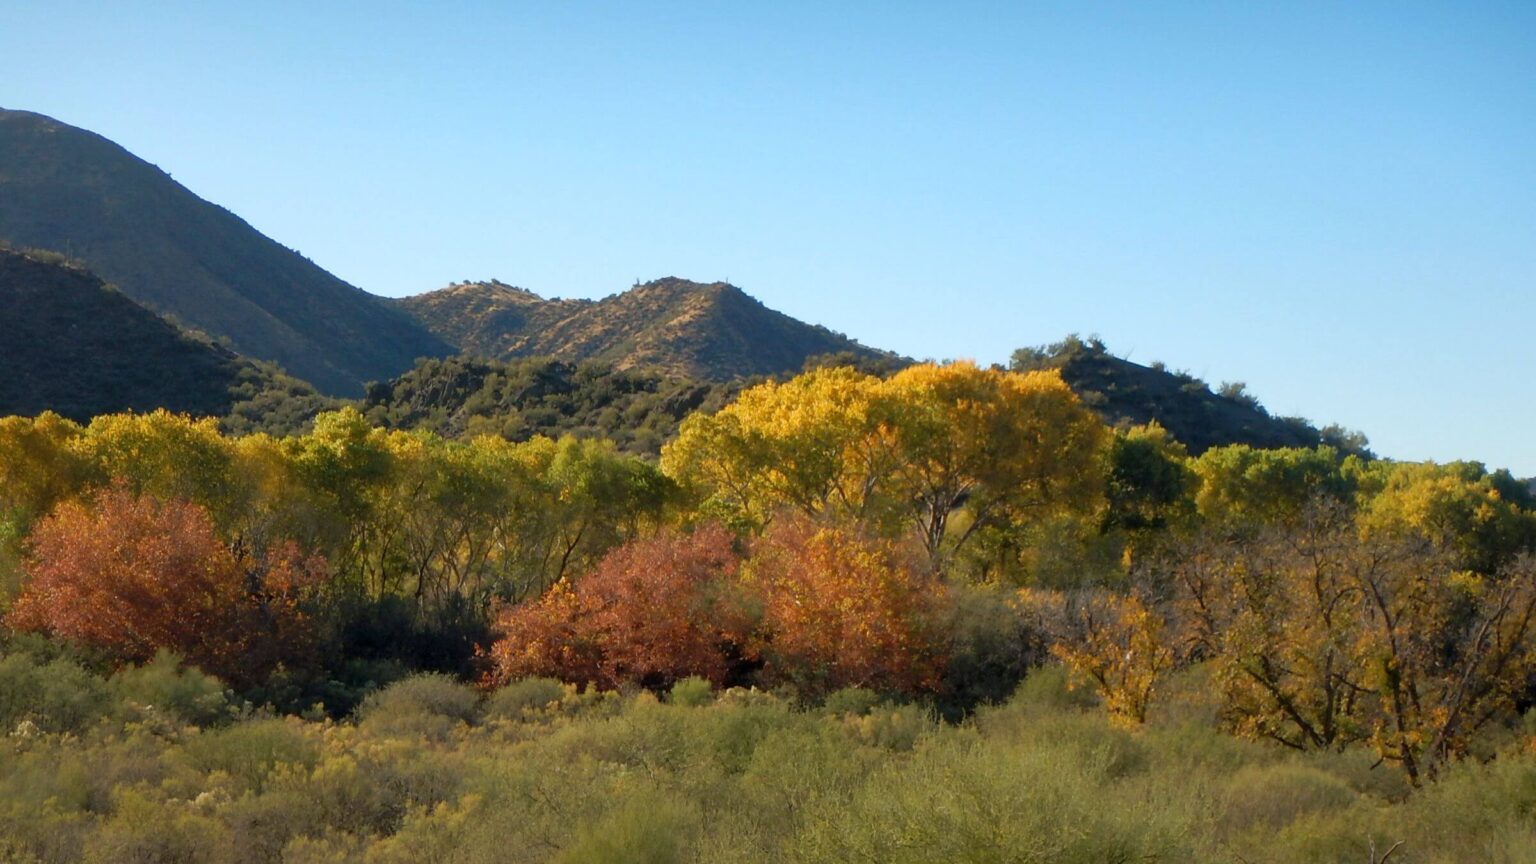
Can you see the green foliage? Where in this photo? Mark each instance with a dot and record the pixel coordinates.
(53, 696)
(857, 701)
(183, 693)
(646, 830)
(526, 696)
(252, 752)
(520, 399)
(430, 705)
(742, 778)
(691, 692)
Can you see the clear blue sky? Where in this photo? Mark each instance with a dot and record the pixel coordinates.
(1335, 202)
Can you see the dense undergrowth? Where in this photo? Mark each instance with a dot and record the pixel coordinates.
(155, 764)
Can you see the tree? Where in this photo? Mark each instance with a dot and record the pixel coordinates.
(1459, 508)
(1149, 484)
(807, 444)
(1321, 637)
(906, 454)
(131, 575)
(1112, 643)
(652, 612)
(1245, 486)
(844, 610)
(1001, 446)
(170, 456)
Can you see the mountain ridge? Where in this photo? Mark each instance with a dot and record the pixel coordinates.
(705, 330)
(77, 192)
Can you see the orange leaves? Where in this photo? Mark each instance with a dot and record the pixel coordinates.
(841, 610)
(824, 609)
(131, 575)
(653, 611)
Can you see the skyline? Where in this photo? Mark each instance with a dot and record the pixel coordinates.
(1334, 206)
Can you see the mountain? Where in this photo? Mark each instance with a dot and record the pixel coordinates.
(675, 327)
(1126, 393)
(73, 345)
(71, 190)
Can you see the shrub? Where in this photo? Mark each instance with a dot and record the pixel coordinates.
(850, 700)
(647, 830)
(251, 751)
(1268, 798)
(57, 696)
(957, 799)
(653, 612)
(843, 610)
(429, 705)
(186, 694)
(691, 692)
(518, 698)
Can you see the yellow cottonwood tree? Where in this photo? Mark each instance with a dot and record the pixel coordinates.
(906, 453)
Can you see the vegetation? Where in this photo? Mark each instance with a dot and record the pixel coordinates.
(70, 190)
(431, 770)
(461, 397)
(941, 613)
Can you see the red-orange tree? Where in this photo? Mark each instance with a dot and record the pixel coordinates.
(653, 611)
(131, 575)
(843, 610)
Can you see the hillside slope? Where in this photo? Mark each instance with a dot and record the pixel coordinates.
(673, 326)
(73, 345)
(462, 396)
(74, 191)
(1127, 393)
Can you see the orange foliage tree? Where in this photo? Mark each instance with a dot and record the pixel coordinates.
(131, 575)
(843, 610)
(652, 612)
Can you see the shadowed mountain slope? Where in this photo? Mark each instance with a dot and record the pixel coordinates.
(1126, 393)
(71, 190)
(73, 345)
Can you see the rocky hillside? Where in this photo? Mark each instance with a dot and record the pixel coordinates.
(672, 326)
(71, 190)
(73, 345)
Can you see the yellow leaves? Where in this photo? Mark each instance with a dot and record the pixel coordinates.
(899, 453)
(1115, 645)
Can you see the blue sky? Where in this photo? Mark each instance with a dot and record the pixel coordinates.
(1335, 203)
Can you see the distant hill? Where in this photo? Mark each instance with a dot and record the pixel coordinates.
(519, 399)
(70, 190)
(72, 345)
(1126, 393)
(675, 327)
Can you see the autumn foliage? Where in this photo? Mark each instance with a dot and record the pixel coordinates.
(844, 610)
(822, 607)
(130, 575)
(653, 611)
